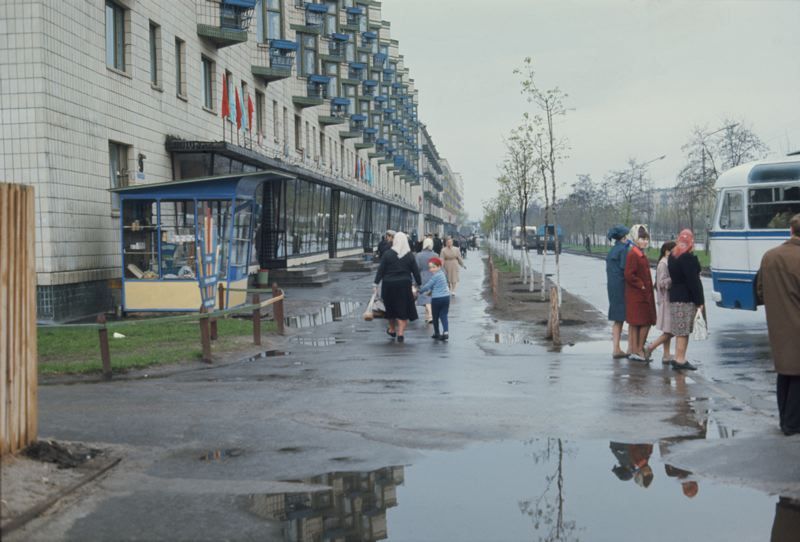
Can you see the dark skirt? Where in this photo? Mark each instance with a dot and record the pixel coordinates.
(399, 300)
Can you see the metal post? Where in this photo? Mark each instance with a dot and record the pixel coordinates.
(277, 309)
(257, 320)
(205, 335)
(105, 352)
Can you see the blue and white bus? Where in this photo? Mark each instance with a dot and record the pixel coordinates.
(754, 204)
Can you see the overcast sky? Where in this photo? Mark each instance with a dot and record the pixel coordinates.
(639, 73)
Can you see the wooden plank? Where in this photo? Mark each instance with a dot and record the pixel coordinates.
(13, 376)
(17, 336)
(31, 354)
(4, 316)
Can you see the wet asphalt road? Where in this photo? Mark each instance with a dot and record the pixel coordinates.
(470, 440)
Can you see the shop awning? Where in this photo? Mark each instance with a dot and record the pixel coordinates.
(218, 187)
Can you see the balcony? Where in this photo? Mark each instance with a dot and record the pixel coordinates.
(369, 87)
(388, 75)
(315, 15)
(317, 92)
(368, 39)
(338, 45)
(274, 61)
(357, 123)
(224, 22)
(357, 71)
(353, 19)
(379, 59)
(339, 107)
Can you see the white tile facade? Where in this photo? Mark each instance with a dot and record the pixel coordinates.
(60, 105)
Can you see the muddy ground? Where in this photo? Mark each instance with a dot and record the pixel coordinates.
(515, 302)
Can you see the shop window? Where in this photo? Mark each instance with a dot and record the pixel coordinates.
(208, 83)
(178, 229)
(140, 239)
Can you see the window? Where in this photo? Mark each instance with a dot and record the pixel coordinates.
(231, 96)
(332, 17)
(773, 208)
(243, 104)
(115, 36)
(322, 152)
(118, 169)
(350, 92)
(285, 131)
(308, 143)
(259, 113)
(308, 54)
(269, 12)
(180, 67)
(332, 71)
(275, 127)
(731, 215)
(298, 133)
(155, 54)
(208, 83)
(350, 50)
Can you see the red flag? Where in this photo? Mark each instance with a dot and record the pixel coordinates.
(226, 106)
(238, 110)
(250, 113)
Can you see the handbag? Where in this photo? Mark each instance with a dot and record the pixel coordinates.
(375, 308)
(700, 329)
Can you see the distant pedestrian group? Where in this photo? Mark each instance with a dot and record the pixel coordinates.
(427, 279)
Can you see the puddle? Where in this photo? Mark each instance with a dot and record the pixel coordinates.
(542, 489)
(333, 312)
(267, 354)
(221, 455)
(318, 341)
(511, 338)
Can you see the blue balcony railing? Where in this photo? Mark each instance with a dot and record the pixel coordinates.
(354, 16)
(339, 107)
(315, 14)
(357, 122)
(318, 86)
(281, 54)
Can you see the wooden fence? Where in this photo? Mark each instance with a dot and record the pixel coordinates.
(18, 357)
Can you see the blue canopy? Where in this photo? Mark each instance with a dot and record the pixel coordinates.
(283, 45)
(247, 4)
(317, 8)
(358, 118)
(219, 187)
(381, 99)
(340, 101)
(319, 79)
(357, 65)
(370, 83)
(340, 37)
(354, 11)
(370, 35)
(370, 130)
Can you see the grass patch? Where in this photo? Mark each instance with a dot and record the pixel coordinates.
(505, 266)
(77, 350)
(652, 253)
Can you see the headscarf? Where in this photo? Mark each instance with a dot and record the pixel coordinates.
(400, 244)
(685, 243)
(638, 231)
(617, 232)
(390, 233)
(427, 244)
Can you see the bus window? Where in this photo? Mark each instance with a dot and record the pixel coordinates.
(731, 216)
(772, 208)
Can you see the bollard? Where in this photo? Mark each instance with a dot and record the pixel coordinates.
(221, 304)
(205, 335)
(105, 351)
(257, 320)
(277, 310)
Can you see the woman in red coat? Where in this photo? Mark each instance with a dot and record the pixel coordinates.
(640, 303)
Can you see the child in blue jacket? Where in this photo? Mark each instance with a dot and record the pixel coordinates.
(440, 298)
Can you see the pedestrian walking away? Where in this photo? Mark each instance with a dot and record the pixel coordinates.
(437, 244)
(615, 284)
(440, 298)
(396, 270)
(386, 242)
(663, 321)
(640, 303)
(451, 256)
(686, 296)
(778, 286)
(425, 255)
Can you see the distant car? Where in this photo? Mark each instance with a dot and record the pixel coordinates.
(517, 237)
(548, 239)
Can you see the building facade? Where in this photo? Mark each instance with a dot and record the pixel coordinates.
(106, 94)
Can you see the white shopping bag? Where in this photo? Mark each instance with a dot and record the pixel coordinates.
(700, 331)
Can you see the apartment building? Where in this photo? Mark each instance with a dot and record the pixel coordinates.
(100, 98)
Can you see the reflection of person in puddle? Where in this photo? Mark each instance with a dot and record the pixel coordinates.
(689, 487)
(633, 462)
(786, 526)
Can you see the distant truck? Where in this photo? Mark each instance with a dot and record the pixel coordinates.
(529, 238)
(547, 237)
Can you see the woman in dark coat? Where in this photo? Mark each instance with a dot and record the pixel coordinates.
(615, 282)
(686, 296)
(640, 303)
(396, 269)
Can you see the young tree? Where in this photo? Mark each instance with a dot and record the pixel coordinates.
(550, 150)
(519, 171)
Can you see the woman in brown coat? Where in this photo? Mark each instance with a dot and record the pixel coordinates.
(452, 261)
(640, 303)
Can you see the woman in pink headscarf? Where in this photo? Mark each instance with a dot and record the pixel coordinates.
(686, 296)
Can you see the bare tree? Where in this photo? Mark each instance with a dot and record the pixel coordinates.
(519, 171)
(550, 151)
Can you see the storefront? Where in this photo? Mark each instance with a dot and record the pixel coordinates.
(181, 239)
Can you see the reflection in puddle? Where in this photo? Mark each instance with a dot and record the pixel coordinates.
(558, 489)
(334, 312)
(352, 508)
(267, 354)
(220, 455)
(318, 341)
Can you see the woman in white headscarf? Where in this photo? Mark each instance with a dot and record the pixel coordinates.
(396, 270)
